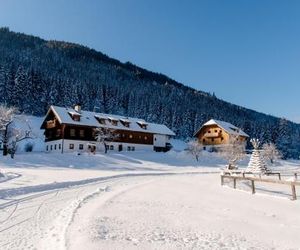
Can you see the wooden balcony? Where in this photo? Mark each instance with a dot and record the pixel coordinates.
(51, 124)
(213, 135)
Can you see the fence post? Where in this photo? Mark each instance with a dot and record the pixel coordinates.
(222, 180)
(234, 183)
(296, 176)
(253, 186)
(294, 196)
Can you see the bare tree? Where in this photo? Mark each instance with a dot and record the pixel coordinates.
(270, 152)
(233, 151)
(194, 148)
(104, 135)
(10, 135)
(7, 115)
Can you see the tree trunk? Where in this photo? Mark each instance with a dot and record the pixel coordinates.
(5, 141)
(5, 149)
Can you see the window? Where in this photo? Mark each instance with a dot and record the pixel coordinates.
(101, 120)
(155, 139)
(128, 148)
(72, 132)
(81, 146)
(55, 147)
(203, 140)
(114, 122)
(76, 118)
(111, 147)
(216, 131)
(222, 138)
(132, 148)
(208, 131)
(71, 146)
(58, 132)
(47, 148)
(51, 147)
(130, 136)
(146, 138)
(81, 133)
(212, 139)
(59, 146)
(125, 123)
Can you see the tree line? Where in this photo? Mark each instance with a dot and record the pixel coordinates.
(35, 73)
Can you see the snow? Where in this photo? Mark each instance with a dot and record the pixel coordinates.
(31, 123)
(139, 200)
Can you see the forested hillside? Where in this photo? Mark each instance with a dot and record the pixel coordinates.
(35, 73)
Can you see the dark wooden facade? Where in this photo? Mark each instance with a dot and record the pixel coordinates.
(55, 131)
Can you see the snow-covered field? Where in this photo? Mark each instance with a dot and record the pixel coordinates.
(139, 200)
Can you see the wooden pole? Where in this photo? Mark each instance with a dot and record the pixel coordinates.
(296, 177)
(222, 180)
(234, 183)
(253, 187)
(294, 196)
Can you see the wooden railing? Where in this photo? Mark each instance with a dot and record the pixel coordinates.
(292, 184)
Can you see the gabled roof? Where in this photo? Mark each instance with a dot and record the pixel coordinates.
(228, 127)
(89, 119)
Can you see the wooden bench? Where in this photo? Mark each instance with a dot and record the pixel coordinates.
(292, 184)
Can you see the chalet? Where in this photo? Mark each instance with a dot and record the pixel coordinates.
(215, 133)
(74, 130)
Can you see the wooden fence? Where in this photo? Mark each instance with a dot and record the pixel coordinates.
(292, 184)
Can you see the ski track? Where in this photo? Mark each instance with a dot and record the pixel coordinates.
(11, 192)
(49, 209)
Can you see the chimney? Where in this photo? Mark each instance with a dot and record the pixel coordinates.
(77, 108)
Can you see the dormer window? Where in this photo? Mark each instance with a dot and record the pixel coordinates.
(75, 116)
(113, 121)
(100, 119)
(125, 122)
(142, 124)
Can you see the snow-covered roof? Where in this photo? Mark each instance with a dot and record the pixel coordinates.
(228, 127)
(126, 120)
(88, 118)
(142, 122)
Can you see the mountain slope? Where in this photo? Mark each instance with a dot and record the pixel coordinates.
(35, 73)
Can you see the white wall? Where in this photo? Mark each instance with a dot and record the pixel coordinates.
(160, 140)
(100, 147)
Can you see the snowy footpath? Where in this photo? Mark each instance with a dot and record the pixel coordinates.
(137, 201)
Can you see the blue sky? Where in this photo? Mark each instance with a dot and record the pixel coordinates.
(246, 51)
